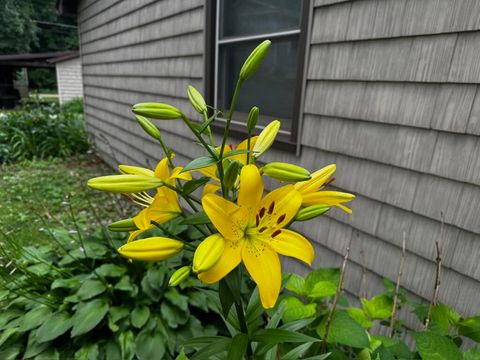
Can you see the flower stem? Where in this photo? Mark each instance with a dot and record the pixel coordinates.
(198, 136)
(243, 325)
(209, 131)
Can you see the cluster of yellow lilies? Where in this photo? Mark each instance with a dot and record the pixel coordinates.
(250, 227)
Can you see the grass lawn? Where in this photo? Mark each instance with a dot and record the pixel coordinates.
(35, 196)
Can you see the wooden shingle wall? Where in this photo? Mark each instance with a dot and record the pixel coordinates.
(391, 97)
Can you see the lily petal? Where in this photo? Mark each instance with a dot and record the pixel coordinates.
(177, 174)
(251, 189)
(161, 171)
(319, 178)
(229, 218)
(263, 266)
(135, 170)
(334, 198)
(211, 188)
(280, 206)
(229, 260)
(291, 243)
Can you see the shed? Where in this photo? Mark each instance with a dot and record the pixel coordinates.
(69, 76)
(387, 89)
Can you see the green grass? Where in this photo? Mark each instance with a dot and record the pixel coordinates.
(35, 196)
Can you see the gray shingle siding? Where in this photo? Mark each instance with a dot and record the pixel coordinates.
(391, 96)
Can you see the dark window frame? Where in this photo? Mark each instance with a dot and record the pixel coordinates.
(288, 142)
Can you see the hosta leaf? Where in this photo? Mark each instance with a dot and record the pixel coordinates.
(90, 289)
(87, 352)
(149, 345)
(34, 347)
(34, 318)
(127, 345)
(433, 346)
(110, 270)
(54, 326)
(140, 316)
(65, 283)
(88, 315)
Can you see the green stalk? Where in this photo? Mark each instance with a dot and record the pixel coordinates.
(209, 131)
(165, 150)
(198, 136)
(225, 134)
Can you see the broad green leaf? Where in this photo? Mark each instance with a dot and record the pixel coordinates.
(11, 353)
(182, 356)
(173, 315)
(90, 289)
(470, 328)
(295, 309)
(471, 354)
(34, 347)
(192, 185)
(379, 307)
(297, 352)
(127, 345)
(88, 315)
(139, 316)
(238, 347)
(40, 269)
(87, 352)
(110, 270)
(54, 326)
(359, 316)
(125, 284)
(70, 283)
(323, 288)
(149, 345)
(344, 330)
(441, 318)
(323, 274)
(34, 318)
(432, 346)
(199, 163)
(9, 332)
(8, 315)
(295, 283)
(226, 297)
(112, 350)
(395, 347)
(49, 354)
(118, 312)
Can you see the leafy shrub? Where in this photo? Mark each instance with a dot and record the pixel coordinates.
(40, 131)
(80, 300)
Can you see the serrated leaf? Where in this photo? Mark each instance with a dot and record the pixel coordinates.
(140, 316)
(359, 316)
(110, 270)
(238, 347)
(433, 346)
(471, 354)
(88, 315)
(295, 283)
(54, 326)
(199, 163)
(198, 218)
(344, 330)
(192, 185)
(149, 345)
(322, 289)
(379, 307)
(323, 274)
(90, 289)
(295, 309)
(470, 328)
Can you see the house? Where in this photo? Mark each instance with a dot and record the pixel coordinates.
(386, 89)
(69, 76)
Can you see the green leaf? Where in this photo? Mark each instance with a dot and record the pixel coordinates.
(11, 353)
(207, 123)
(199, 163)
(34, 347)
(70, 283)
(49, 354)
(140, 316)
(110, 270)
(192, 185)
(433, 346)
(470, 328)
(176, 299)
(295, 283)
(235, 152)
(54, 326)
(34, 318)
(88, 315)
(379, 307)
(182, 356)
(90, 289)
(297, 324)
(173, 316)
(322, 289)
(203, 340)
(198, 218)
(295, 310)
(149, 345)
(118, 312)
(226, 297)
(9, 332)
(214, 348)
(395, 347)
(323, 274)
(442, 317)
(471, 354)
(359, 316)
(87, 352)
(297, 352)
(125, 284)
(112, 350)
(344, 330)
(238, 347)
(127, 345)
(277, 336)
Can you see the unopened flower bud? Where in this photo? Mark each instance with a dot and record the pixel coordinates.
(266, 138)
(124, 183)
(254, 60)
(179, 276)
(285, 172)
(135, 170)
(123, 225)
(151, 249)
(157, 111)
(231, 174)
(252, 118)
(196, 99)
(311, 212)
(149, 127)
(208, 253)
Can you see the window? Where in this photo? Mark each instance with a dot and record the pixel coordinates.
(234, 28)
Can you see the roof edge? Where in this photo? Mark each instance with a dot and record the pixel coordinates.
(67, 7)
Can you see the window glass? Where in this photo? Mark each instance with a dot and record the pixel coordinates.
(253, 17)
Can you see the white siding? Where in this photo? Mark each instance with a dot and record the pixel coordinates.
(69, 79)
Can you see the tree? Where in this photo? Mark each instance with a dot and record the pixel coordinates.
(18, 33)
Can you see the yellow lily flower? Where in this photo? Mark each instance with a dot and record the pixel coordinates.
(311, 194)
(253, 232)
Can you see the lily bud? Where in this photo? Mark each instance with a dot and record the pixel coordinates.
(150, 249)
(311, 212)
(254, 60)
(252, 118)
(124, 183)
(285, 172)
(266, 138)
(135, 170)
(157, 111)
(123, 225)
(208, 253)
(148, 126)
(196, 99)
(179, 276)
(231, 174)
